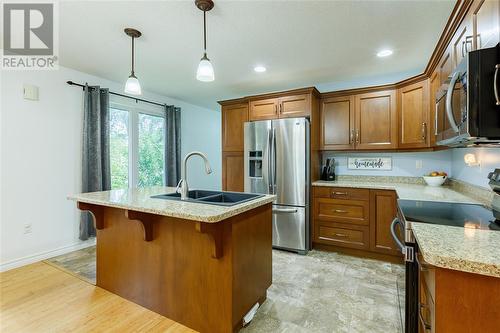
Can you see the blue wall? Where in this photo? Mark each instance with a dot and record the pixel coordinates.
(489, 158)
(201, 130)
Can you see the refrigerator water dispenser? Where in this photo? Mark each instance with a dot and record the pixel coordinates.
(255, 164)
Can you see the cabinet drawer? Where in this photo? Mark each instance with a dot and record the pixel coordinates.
(339, 235)
(342, 193)
(344, 211)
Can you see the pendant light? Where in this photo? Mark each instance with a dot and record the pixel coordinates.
(205, 70)
(132, 86)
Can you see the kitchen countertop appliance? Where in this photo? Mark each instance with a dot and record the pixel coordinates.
(452, 214)
(276, 157)
(468, 104)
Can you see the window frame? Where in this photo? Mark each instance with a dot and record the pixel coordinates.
(134, 109)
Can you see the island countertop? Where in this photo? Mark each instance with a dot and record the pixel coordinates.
(462, 249)
(139, 199)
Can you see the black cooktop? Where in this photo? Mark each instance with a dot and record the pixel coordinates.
(452, 214)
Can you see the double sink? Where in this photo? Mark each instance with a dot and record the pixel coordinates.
(219, 198)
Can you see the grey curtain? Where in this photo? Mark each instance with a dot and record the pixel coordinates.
(96, 172)
(172, 145)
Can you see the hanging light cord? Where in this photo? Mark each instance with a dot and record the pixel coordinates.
(205, 32)
(133, 73)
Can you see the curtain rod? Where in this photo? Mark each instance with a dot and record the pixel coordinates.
(71, 83)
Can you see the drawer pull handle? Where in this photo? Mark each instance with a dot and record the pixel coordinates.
(340, 235)
(339, 193)
(340, 211)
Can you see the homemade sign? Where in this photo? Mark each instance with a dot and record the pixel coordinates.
(369, 163)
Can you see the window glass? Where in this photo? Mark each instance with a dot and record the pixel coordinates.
(119, 150)
(151, 147)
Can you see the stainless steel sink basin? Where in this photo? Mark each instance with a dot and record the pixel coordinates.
(212, 197)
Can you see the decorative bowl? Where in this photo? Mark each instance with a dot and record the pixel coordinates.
(435, 180)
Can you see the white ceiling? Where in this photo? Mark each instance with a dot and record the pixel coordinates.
(329, 44)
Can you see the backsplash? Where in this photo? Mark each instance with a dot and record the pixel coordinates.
(477, 175)
(403, 164)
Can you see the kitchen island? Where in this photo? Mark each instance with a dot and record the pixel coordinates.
(202, 265)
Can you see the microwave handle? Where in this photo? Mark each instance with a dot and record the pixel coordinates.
(495, 84)
(449, 96)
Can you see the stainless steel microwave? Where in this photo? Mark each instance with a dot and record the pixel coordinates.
(468, 104)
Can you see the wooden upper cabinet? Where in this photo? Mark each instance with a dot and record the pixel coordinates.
(281, 107)
(463, 40)
(295, 106)
(434, 85)
(445, 65)
(233, 119)
(486, 23)
(376, 120)
(413, 106)
(337, 123)
(264, 109)
(383, 210)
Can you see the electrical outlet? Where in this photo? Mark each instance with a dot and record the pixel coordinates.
(418, 164)
(27, 229)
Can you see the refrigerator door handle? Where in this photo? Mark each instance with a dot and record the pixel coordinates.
(273, 156)
(285, 210)
(270, 159)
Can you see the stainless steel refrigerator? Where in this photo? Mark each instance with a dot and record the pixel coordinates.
(277, 162)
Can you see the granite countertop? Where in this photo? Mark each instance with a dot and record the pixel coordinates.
(462, 249)
(406, 191)
(139, 199)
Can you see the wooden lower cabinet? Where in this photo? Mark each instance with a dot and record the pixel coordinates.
(355, 219)
(233, 171)
(456, 301)
(383, 209)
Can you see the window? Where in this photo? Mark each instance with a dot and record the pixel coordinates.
(137, 146)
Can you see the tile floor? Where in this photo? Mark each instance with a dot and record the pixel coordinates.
(321, 292)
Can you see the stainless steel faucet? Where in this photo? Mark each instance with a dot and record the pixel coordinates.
(183, 184)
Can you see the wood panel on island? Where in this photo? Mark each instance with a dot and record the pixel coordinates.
(205, 275)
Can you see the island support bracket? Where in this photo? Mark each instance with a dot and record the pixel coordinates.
(96, 211)
(146, 221)
(214, 230)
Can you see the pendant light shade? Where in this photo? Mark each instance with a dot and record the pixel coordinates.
(132, 86)
(205, 72)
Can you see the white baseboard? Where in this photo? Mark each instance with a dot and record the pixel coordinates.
(45, 255)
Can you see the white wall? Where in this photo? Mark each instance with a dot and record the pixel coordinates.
(403, 164)
(40, 143)
(489, 158)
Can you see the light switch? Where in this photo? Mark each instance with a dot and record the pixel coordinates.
(30, 92)
(418, 164)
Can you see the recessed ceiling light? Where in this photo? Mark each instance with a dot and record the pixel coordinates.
(384, 53)
(259, 69)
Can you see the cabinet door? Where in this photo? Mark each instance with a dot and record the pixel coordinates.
(445, 65)
(463, 40)
(486, 23)
(264, 109)
(376, 120)
(233, 118)
(382, 212)
(433, 122)
(232, 172)
(337, 123)
(413, 109)
(295, 106)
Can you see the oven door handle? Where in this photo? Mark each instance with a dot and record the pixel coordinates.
(495, 84)
(395, 223)
(449, 106)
